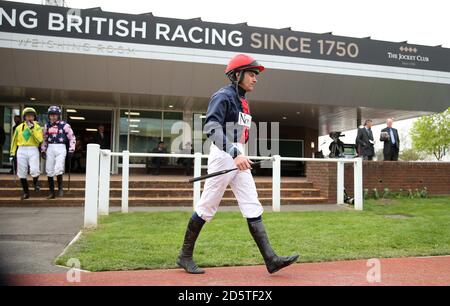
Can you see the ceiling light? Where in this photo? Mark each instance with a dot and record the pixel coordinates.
(134, 120)
(134, 125)
(170, 106)
(91, 130)
(134, 131)
(70, 110)
(284, 117)
(76, 118)
(32, 98)
(132, 113)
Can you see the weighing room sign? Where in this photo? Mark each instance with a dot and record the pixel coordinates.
(145, 29)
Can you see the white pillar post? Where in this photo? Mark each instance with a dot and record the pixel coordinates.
(104, 179)
(340, 182)
(358, 184)
(125, 177)
(91, 187)
(276, 183)
(197, 172)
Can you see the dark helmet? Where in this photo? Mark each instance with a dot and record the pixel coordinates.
(54, 110)
(242, 62)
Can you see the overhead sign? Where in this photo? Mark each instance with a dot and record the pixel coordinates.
(94, 24)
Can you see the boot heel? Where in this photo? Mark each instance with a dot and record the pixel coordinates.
(26, 192)
(60, 186)
(51, 188)
(273, 262)
(185, 259)
(37, 186)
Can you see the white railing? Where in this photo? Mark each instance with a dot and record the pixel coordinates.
(98, 170)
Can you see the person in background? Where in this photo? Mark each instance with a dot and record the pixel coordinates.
(2, 142)
(187, 162)
(25, 148)
(365, 141)
(101, 138)
(158, 161)
(78, 155)
(17, 121)
(389, 136)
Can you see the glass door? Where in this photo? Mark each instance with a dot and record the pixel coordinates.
(9, 117)
(142, 130)
(89, 126)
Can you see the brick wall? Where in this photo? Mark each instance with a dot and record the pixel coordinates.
(323, 177)
(380, 175)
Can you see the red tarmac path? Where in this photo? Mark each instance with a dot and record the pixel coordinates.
(394, 271)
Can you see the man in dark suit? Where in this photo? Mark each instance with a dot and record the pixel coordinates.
(365, 141)
(158, 161)
(389, 136)
(101, 138)
(2, 142)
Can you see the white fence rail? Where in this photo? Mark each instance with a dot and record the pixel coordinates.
(98, 179)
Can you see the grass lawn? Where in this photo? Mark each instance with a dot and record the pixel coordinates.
(386, 228)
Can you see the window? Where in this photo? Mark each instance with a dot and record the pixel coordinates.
(170, 118)
(140, 131)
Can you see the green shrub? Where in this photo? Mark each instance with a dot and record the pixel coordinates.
(399, 194)
(386, 193)
(366, 193)
(376, 195)
(424, 192)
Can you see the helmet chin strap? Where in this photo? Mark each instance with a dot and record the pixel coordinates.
(239, 80)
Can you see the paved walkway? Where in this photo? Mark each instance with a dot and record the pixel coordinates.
(31, 238)
(395, 271)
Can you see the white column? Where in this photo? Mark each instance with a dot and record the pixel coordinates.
(276, 183)
(340, 182)
(91, 188)
(358, 184)
(104, 179)
(125, 177)
(197, 172)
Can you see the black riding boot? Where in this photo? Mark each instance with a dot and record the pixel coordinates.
(185, 259)
(60, 185)
(51, 188)
(26, 192)
(36, 184)
(272, 260)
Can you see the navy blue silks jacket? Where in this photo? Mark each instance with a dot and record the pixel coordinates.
(222, 117)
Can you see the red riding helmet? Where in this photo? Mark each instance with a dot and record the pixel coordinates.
(242, 62)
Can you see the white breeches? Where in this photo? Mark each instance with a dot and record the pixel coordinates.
(241, 183)
(28, 156)
(56, 159)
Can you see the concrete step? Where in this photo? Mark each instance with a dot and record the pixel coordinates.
(137, 201)
(162, 192)
(10, 183)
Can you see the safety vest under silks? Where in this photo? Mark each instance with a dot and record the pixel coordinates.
(228, 119)
(24, 136)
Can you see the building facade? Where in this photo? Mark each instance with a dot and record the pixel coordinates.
(137, 75)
